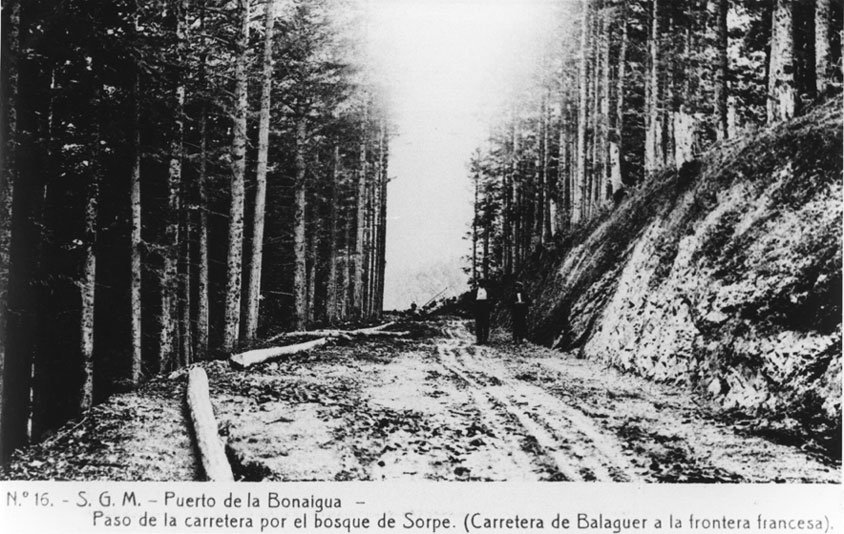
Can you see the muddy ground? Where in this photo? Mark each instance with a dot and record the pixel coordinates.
(433, 406)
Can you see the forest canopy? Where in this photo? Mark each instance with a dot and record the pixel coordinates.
(629, 88)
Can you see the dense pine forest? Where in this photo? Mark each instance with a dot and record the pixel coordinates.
(179, 178)
(193, 234)
(627, 89)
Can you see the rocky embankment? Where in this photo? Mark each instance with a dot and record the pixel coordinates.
(723, 276)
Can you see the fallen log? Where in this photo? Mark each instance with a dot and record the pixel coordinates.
(372, 329)
(360, 332)
(212, 453)
(245, 359)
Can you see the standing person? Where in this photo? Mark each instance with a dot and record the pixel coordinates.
(519, 307)
(482, 313)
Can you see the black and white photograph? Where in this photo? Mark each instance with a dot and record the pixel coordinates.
(558, 241)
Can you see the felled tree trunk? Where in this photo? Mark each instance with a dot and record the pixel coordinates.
(252, 357)
(360, 332)
(209, 446)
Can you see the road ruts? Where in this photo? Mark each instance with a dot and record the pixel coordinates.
(565, 441)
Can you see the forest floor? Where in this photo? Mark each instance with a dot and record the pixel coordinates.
(433, 406)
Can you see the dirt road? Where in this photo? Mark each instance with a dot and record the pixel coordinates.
(431, 407)
(442, 408)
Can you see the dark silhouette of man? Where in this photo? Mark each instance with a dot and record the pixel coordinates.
(519, 305)
(482, 307)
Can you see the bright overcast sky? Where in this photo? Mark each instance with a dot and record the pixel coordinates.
(447, 66)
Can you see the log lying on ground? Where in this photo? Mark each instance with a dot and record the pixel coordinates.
(360, 332)
(212, 453)
(245, 359)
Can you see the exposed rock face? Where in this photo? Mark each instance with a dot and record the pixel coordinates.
(724, 276)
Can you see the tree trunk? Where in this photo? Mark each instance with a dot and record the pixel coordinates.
(782, 91)
(234, 261)
(312, 239)
(185, 334)
(300, 281)
(29, 409)
(564, 167)
(538, 197)
(517, 211)
(653, 131)
(253, 288)
(184, 218)
(732, 118)
(476, 179)
(382, 243)
(253, 357)
(367, 247)
(135, 235)
(721, 70)
(8, 178)
(358, 289)
(170, 269)
(507, 222)
(377, 221)
(668, 106)
(616, 135)
(202, 288)
(371, 331)
(211, 449)
(579, 189)
(313, 261)
(823, 56)
(546, 170)
(684, 126)
(594, 170)
(485, 263)
(88, 278)
(345, 287)
(605, 191)
(331, 285)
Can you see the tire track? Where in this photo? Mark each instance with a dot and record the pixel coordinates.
(564, 435)
(494, 411)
